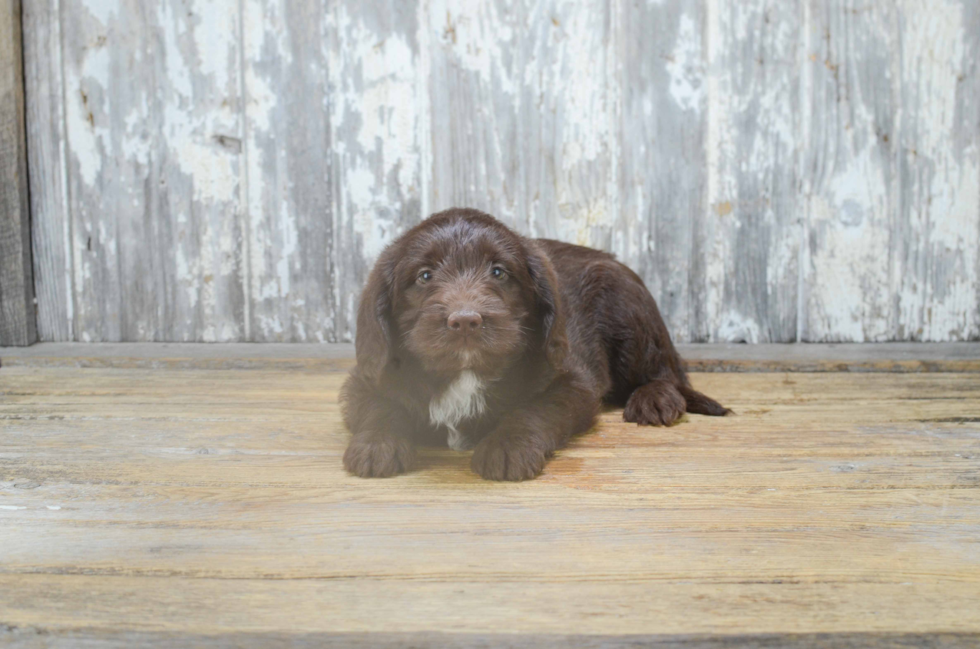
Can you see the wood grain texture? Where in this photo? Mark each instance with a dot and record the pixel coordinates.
(17, 317)
(22, 638)
(214, 502)
(153, 126)
(290, 214)
(753, 236)
(46, 149)
(476, 52)
(894, 103)
(775, 171)
(661, 231)
(377, 127)
(700, 357)
(538, 75)
(938, 166)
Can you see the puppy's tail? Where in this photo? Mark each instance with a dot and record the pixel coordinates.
(701, 404)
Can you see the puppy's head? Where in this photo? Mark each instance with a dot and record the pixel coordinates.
(460, 291)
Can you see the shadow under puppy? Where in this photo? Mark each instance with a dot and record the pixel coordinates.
(471, 334)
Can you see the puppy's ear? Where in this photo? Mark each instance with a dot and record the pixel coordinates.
(550, 315)
(373, 343)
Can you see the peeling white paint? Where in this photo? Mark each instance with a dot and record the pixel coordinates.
(178, 73)
(103, 10)
(867, 283)
(849, 220)
(86, 87)
(215, 54)
(686, 67)
(864, 108)
(262, 102)
(382, 103)
(477, 33)
(946, 198)
(719, 149)
(933, 59)
(733, 327)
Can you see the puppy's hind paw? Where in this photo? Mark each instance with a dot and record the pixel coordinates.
(658, 403)
(378, 456)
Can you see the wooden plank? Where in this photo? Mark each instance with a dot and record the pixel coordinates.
(775, 171)
(153, 120)
(752, 235)
(46, 150)
(198, 504)
(971, 84)
(864, 357)
(524, 100)
(311, 357)
(290, 254)
(334, 163)
(30, 637)
(476, 54)
(853, 134)
(700, 357)
(17, 317)
(893, 256)
(377, 130)
(937, 164)
(663, 171)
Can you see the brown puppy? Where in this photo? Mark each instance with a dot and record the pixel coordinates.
(470, 334)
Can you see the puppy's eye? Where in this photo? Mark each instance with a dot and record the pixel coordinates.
(425, 276)
(498, 272)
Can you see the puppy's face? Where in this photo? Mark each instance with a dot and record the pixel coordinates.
(460, 291)
(463, 297)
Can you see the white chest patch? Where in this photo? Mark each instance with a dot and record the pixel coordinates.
(463, 399)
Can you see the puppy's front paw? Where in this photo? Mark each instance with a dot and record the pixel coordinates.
(378, 456)
(508, 457)
(658, 403)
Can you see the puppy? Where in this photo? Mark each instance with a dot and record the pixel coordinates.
(472, 335)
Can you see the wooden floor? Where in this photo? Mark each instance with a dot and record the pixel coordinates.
(179, 507)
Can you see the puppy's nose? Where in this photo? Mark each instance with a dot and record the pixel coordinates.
(465, 321)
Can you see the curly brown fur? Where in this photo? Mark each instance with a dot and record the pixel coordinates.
(470, 333)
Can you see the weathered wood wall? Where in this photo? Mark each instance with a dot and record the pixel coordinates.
(17, 319)
(775, 170)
